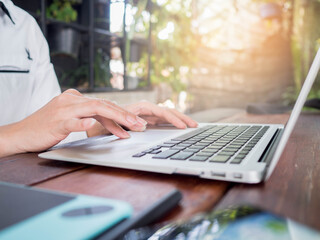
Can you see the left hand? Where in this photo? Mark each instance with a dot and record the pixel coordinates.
(153, 114)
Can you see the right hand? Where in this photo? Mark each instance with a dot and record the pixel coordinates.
(66, 113)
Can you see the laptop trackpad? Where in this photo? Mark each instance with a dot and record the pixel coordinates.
(111, 147)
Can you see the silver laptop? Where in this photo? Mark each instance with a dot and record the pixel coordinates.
(232, 152)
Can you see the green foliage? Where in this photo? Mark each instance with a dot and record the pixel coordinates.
(173, 52)
(232, 213)
(62, 10)
(102, 72)
(305, 43)
(75, 78)
(169, 55)
(277, 226)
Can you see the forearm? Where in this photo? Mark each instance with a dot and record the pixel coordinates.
(10, 136)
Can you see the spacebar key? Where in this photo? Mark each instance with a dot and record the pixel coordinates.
(166, 154)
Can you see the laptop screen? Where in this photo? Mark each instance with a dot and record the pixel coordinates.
(313, 72)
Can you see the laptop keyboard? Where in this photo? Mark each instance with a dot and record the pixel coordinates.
(217, 144)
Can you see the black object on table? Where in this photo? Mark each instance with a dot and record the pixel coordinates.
(148, 216)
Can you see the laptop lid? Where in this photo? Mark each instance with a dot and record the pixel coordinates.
(313, 72)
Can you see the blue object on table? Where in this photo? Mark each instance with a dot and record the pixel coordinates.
(29, 213)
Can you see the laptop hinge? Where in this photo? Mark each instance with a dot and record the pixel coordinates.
(271, 148)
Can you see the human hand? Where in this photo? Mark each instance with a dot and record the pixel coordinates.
(66, 113)
(154, 114)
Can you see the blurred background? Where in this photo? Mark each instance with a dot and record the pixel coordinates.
(192, 54)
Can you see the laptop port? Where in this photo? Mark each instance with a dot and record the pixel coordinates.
(218, 174)
(237, 175)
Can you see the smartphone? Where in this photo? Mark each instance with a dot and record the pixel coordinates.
(31, 213)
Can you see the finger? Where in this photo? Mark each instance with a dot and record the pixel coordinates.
(116, 107)
(93, 108)
(190, 122)
(97, 130)
(138, 124)
(163, 114)
(152, 120)
(73, 91)
(187, 120)
(113, 127)
(168, 116)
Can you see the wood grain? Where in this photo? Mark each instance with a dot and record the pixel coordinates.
(30, 169)
(141, 189)
(257, 118)
(293, 189)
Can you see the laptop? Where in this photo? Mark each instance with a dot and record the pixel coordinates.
(245, 153)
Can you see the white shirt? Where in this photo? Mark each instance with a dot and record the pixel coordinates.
(27, 77)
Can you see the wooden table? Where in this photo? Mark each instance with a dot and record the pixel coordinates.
(293, 190)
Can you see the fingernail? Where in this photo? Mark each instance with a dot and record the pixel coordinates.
(143, 128)
(126, 134)
(140, 128)
(142, 121)
(183, 126)
(121, 133)
(131, 119)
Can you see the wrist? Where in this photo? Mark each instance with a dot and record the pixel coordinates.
(10, 137)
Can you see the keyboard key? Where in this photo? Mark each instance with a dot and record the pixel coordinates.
(191, 150)
(214, 147)
(225, 153)
(139, 155)
(198, 158)
(219, 159)
(167, 145)
(236, 145)
(250, 145)
(197, 147)
(184, 145)
(207, 154)
(177, 148)
(236, 160)
(202, 144)
(155, 151)
(231, 148)
(148, 151)
(189, 142)
(156, 148)
(205, 141)
(165, 154)
(190, 134)
(243, 151)
(172, 142)
(247, 149)
(182, 155)
(241, 155)
(210, 150)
